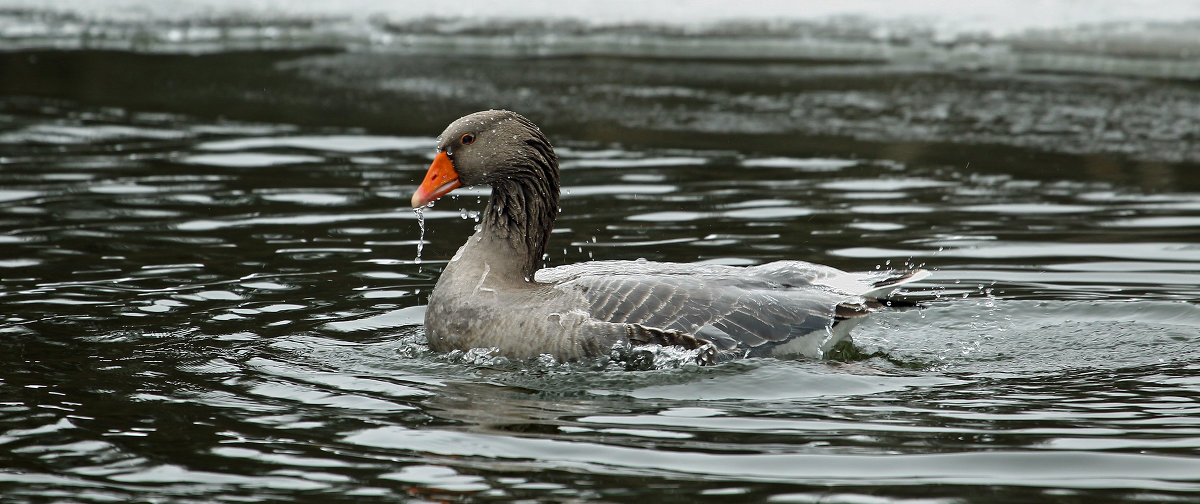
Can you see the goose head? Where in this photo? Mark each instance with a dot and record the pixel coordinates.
(486, 148)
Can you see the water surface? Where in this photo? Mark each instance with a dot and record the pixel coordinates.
(210, 292)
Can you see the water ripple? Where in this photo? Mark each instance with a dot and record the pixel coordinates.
(180, 329)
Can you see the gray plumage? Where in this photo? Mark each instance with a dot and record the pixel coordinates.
(779, 308)
(491, 293)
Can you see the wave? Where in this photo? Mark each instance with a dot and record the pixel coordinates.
(1108, 38)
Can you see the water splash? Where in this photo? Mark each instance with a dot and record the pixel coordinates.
(420, 212)
(473, 215)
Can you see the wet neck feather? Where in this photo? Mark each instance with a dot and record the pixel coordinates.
(522, 209)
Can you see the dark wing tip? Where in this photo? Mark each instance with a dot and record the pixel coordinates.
(641, 335)
(901, 277)
(850, 310)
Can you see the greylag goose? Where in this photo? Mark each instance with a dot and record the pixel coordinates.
(492, 293)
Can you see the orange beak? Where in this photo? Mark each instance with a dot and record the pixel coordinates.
(439, 181)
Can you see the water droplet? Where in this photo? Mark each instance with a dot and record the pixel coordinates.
(421, 241)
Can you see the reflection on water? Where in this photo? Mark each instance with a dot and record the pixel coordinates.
(228, 310)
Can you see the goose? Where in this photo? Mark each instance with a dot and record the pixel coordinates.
(493, 294)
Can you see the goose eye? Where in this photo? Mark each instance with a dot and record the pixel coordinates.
(467, 139)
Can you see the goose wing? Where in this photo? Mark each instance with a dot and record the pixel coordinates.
(753, 309)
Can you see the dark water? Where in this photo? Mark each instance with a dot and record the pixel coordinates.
(209, 288)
